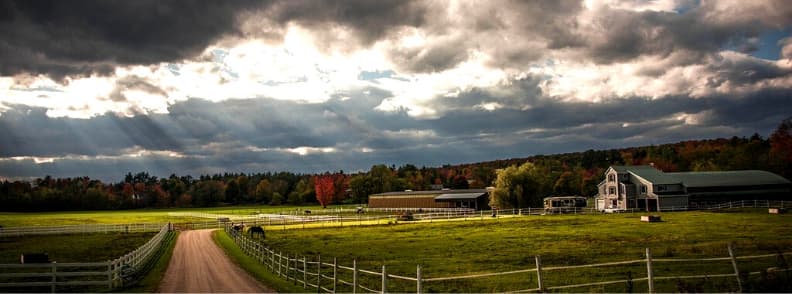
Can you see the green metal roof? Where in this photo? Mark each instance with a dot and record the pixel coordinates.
(649, 173)
(729, 178)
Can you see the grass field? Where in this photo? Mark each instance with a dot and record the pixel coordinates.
(457, 248)
(16, 219)
(74, 247)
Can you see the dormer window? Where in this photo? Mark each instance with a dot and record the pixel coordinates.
(643, 189)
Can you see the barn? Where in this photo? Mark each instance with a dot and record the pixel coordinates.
(647, 188)
(477, 199)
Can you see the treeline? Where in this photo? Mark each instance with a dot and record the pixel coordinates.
(521, 184)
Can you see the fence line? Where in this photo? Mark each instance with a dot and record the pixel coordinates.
(714, 206)
(304, 270)
(77, 229)
(112, 273)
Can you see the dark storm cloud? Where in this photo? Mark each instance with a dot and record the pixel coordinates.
(518, 33)
(256, 135)
(60, 38)
(514, 33)
(28, 131)
(369, 20)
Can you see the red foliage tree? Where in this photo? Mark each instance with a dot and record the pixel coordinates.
(325, 189)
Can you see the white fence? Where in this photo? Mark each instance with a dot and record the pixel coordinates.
(113, 273)
(713, 206)
(76, 229)
(748, 204)
(327, 276)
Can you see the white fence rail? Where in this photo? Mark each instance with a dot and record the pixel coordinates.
(748, 204)
(113, 273)
(77, 229)
(313, 273)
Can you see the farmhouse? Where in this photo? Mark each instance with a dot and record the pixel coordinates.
(414, 200)
(645, 188)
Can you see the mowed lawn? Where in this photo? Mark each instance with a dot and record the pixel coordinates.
(467, 247)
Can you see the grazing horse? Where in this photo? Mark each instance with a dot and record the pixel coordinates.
(257, 230)
(238, 229)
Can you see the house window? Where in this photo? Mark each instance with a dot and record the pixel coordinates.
(611, 178)
(661, 188)
(612, 190)
(643, 189)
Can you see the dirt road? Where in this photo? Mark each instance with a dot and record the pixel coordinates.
(198, 265)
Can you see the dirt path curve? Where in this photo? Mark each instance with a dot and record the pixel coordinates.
(198, 265)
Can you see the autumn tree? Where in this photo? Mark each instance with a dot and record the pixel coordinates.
(325, 189)
(163, 199)
(263, 192)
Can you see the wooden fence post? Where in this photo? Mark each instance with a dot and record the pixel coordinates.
(384, 280)
(649, 273)
(539, 273)
(280, 260)
(296, 270)
(305, 273)
(736, 269)
(335, 273)
(287, 272)
(418, 278)
(109, 275)
(354, 276)
(54, 276)
(319, 273)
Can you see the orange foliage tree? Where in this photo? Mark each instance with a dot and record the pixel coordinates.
(324, 187)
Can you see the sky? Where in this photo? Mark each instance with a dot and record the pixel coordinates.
(102, 88)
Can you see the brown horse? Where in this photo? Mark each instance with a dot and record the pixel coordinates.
(257, 230)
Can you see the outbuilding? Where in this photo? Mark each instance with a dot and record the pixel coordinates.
(433, 199)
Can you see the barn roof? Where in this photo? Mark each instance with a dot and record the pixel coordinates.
(646, 172)
(729, 178)
(704, 179)
(429, 192)
(652, 174)
(460, 196)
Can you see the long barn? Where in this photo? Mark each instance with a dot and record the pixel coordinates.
(646, 188)
(477, 199)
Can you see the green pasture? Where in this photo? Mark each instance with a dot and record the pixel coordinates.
(508, 244)
(94, 247)
(16, 219)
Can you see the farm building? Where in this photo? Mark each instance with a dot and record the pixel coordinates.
(469, 198)
(646, 188)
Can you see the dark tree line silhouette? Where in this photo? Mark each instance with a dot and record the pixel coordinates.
(562, 174)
